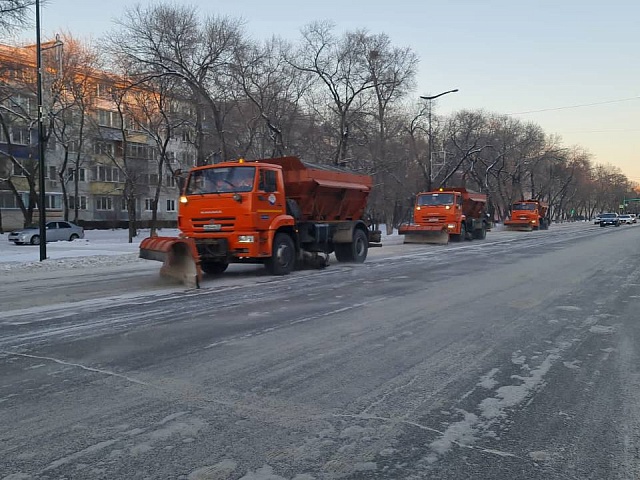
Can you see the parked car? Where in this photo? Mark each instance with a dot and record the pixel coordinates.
(596, 221)
(58, 230)
(626, 219)
(609, 219)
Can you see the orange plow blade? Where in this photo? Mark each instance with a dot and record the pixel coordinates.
(424, 234)
(179, 257)
(517, 226)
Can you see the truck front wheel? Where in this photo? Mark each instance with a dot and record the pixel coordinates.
(356, 251)
(212, 267)
(283, 255)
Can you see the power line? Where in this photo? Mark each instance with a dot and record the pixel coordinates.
(576, 106)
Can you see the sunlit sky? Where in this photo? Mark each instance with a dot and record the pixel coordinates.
(571, 66)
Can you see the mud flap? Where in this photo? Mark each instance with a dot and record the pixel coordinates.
(179, 257)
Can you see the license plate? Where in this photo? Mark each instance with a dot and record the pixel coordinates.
(214, 227)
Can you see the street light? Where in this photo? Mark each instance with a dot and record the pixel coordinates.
(430, 99)
(41, 163)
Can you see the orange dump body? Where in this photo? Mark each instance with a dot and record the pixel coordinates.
(324, 193)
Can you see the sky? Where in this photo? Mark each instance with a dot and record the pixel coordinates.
(570, 66)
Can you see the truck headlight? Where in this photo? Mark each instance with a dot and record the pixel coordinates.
(451, 226)
(245, 238)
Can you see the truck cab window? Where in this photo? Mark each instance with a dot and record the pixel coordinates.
(267, 181)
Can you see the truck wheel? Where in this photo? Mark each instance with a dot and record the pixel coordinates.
(283, 255)
(212, 267)
(462, 236)
(356, 251)
(481, 233)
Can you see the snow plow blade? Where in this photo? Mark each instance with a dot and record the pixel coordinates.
(179, 257)
(518, 227)
(424, 234)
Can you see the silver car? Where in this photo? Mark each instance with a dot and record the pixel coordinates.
(58, 230)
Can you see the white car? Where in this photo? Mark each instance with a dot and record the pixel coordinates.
(56, 231)
(625, 219)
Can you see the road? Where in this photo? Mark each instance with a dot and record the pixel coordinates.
(512, 357)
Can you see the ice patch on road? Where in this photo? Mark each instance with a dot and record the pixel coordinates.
(487, 381)
(568, 308)
(602, 329)
(220, 471)
(264, 473)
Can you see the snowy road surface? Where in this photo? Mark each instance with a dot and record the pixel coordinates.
(516, 357)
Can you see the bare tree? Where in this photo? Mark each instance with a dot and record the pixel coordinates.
(341, 68)
(274, 90)
(14, 14)
(172, 40)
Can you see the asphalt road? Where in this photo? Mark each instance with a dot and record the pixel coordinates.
(515, 357)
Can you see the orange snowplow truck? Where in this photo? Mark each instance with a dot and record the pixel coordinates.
(527, 215)
(448, 213)
(281, 212)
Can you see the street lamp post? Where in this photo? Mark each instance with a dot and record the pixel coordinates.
(41, 163)
(429, 166)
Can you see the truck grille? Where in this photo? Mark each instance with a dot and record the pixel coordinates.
(213, 224)
(430, 220)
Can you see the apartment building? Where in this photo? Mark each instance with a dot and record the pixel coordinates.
(107, 152)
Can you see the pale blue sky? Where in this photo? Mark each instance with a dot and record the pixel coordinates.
(505, 56)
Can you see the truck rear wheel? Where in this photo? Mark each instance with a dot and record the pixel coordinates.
(480, 233)
(283, 255)
(356, 251)
(213, 267)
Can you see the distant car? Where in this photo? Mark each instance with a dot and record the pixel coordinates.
(626, 219)
(58, 230)
(609, 219)
(596, 221)
(634, 217)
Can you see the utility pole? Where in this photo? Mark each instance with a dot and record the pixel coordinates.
(41, 163)
(429, 161)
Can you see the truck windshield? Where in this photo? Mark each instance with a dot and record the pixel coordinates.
(524, 206)
(221, 180)
(436, 199)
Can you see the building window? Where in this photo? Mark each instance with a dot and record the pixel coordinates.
(148, 204)
(103, 148)
(81, 174)
(20, 136)
(140, 150)
(153, 179)
(73, 146)
(7, 200)
(107, 118)
(53, 202)
(170, 181)
(107, 174)
(17, 170)
(104, 203)
(82, 203)
(171, 205)
(51, 173)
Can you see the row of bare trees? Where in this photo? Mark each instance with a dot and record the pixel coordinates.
(344, 99)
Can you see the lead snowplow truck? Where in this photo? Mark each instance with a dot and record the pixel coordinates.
(447, 213)
(527, 215)
(280, 212)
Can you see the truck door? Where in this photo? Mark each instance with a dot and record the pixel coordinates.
(270, 199)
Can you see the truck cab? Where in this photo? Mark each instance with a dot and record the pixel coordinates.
(231, 209)
(528, 215)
